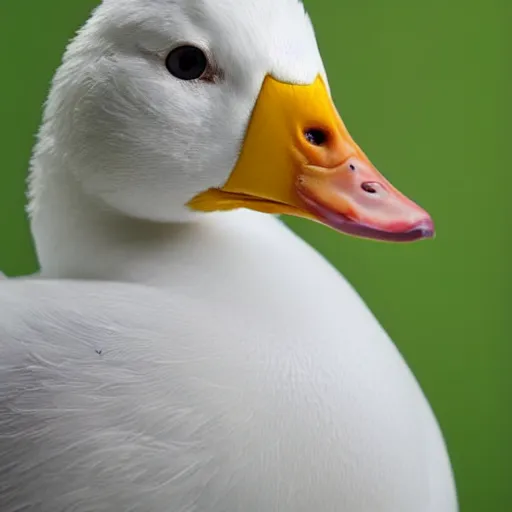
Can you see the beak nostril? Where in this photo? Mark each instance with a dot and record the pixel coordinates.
(316, 136)
(369, 187)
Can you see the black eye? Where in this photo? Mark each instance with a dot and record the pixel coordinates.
(187, 63)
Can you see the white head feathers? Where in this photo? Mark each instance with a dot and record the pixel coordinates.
(124, 131)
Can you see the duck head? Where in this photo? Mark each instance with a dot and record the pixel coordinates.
(165, 110)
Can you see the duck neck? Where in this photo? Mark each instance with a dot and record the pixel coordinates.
(77, 236)
(73, 235)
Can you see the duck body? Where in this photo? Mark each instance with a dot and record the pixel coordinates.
(208, 360)
(193, 394)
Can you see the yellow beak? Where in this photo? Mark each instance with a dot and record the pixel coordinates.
(299, 159)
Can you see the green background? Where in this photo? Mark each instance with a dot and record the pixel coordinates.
(423, 88)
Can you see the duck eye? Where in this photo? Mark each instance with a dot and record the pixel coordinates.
(187, 63)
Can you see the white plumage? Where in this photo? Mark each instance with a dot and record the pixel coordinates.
(230, 368)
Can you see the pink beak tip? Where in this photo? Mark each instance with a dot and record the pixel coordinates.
(425, 229)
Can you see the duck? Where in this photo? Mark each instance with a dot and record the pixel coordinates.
(181, 349)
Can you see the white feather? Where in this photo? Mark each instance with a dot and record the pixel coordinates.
(239, 371)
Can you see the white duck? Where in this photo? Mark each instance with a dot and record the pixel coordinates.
(239, 371)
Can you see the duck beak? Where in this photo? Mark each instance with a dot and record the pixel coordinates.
(299, 159)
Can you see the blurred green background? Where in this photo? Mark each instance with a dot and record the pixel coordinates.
(423, 88)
